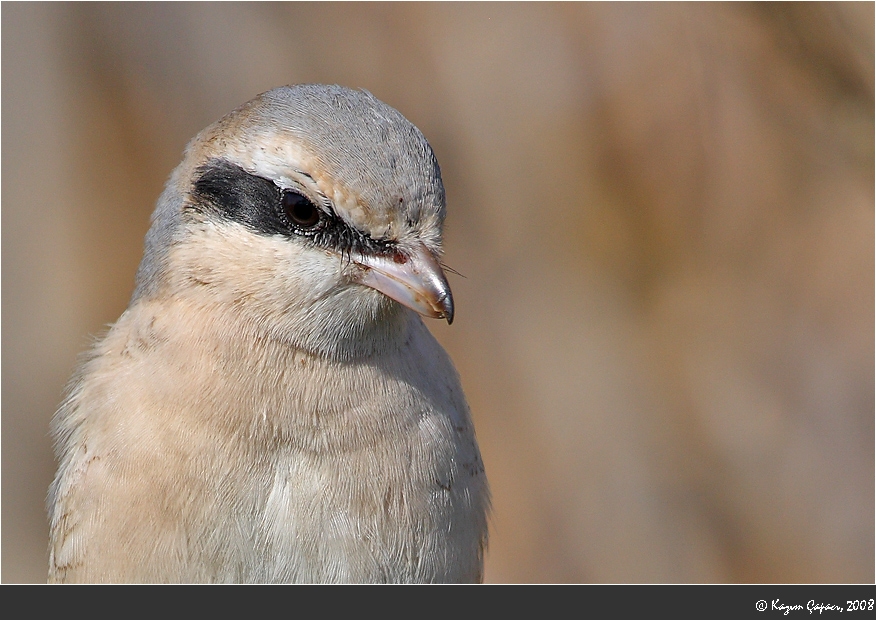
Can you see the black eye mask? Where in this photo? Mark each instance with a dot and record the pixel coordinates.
(227, 190)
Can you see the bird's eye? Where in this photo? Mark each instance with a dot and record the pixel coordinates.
(300, 211)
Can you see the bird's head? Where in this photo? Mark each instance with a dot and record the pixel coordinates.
(312, 212)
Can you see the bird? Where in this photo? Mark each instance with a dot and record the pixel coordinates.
(271, 406)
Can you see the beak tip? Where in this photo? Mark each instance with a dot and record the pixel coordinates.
(447, 307)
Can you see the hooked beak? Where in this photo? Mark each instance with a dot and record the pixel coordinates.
(415, 280)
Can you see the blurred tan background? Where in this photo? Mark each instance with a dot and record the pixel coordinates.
(664, 215)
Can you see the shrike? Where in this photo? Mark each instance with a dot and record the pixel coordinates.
(271, 407)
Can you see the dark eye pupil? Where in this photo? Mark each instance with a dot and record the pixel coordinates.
(300, 210)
